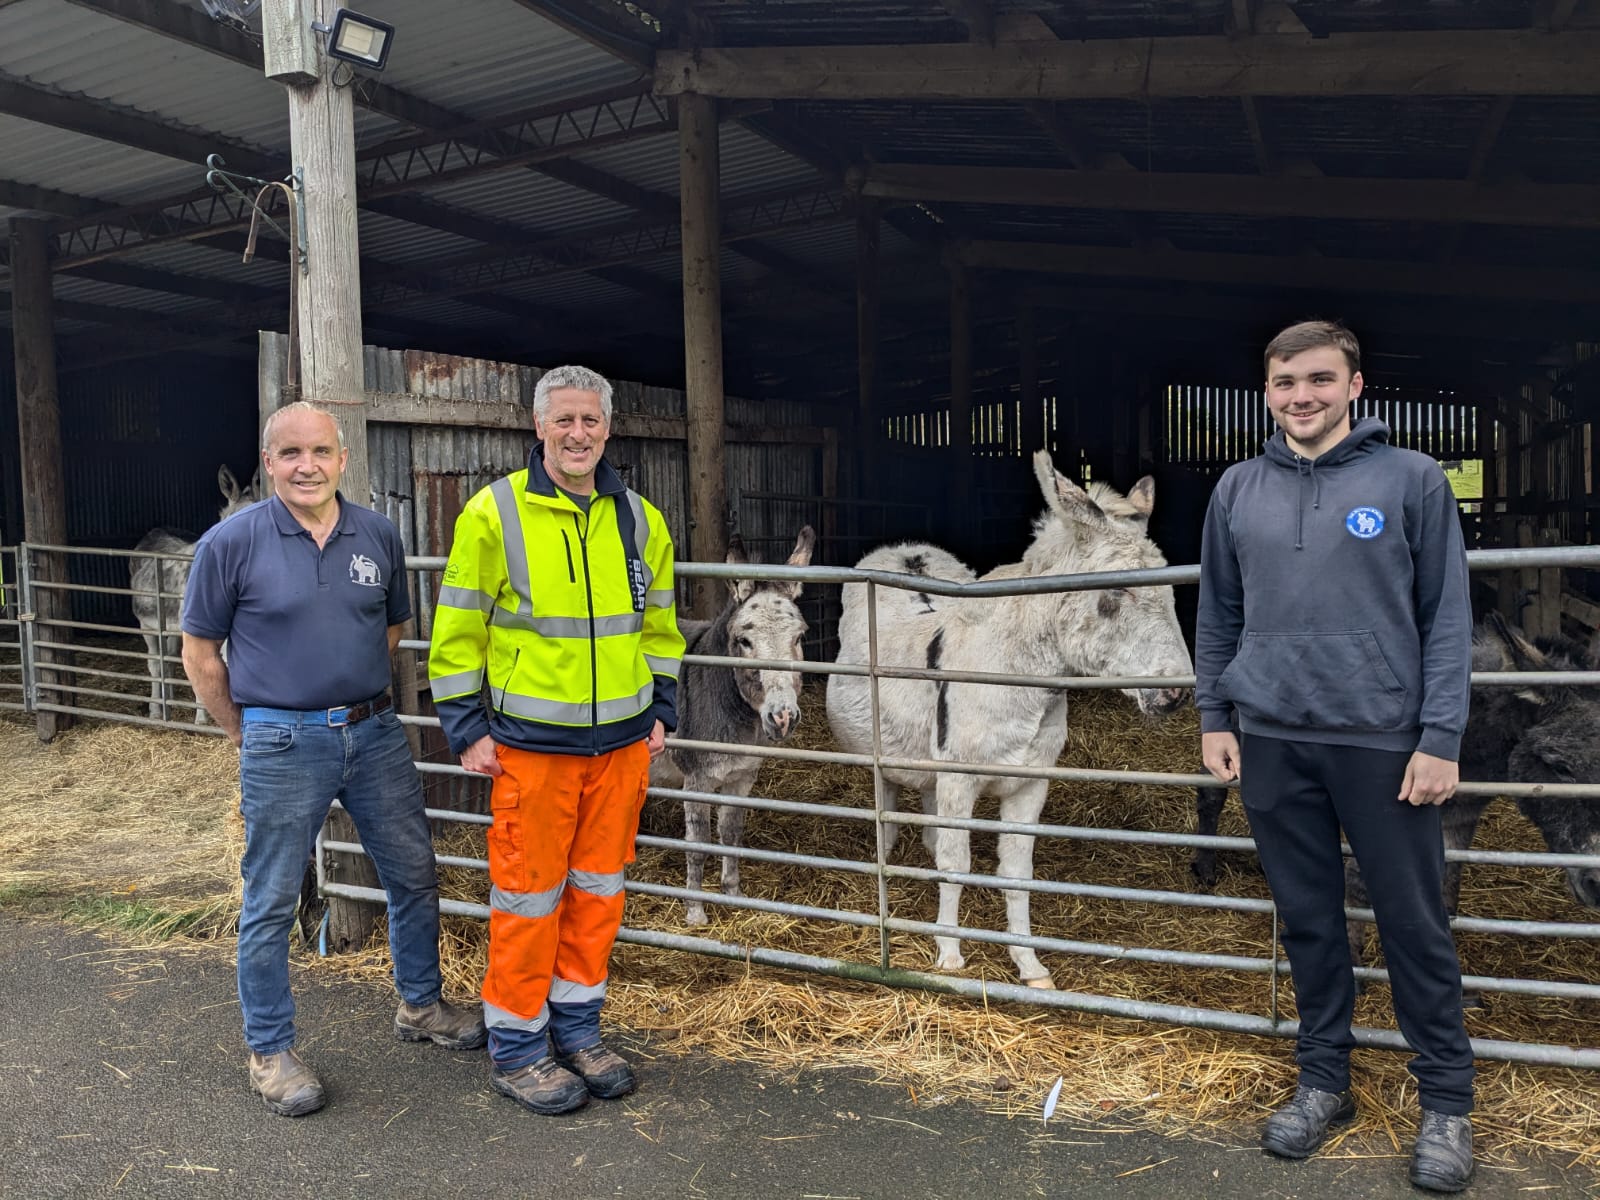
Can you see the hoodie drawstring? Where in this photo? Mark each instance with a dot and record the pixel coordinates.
(1305, 467)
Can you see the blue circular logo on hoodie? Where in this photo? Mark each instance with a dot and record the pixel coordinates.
(1364, 522)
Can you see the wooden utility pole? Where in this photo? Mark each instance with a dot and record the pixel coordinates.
(699, 165)
(868, 304)
(967, 509)
(1031, 425)
(44, 505)
(322, 141)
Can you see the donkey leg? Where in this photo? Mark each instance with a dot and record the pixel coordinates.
(1208, 804)
(696, 828)
(1016, 862)
(152, 662)
(730, 832)
(954, 797)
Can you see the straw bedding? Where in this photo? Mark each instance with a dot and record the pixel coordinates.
(112, 809)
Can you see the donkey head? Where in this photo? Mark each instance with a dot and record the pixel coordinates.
(764, 623)
(234, 497)
(1110, 631)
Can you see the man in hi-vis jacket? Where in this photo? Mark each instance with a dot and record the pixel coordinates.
(1335, 626)
(559, 597)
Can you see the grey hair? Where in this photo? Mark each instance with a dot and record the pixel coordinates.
(581, 378)
(298, 408)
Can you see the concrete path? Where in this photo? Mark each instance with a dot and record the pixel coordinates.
(122, 1074)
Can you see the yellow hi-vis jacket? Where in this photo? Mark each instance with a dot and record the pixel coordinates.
(569, 617)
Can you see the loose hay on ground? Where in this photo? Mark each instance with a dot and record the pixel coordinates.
(940, 1048)
(120, 810)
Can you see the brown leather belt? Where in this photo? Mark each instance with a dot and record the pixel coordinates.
(354, 714)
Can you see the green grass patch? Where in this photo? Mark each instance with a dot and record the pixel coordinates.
(150, 920)
(24, 897)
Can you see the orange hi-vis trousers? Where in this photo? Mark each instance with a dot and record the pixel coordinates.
(564, 829)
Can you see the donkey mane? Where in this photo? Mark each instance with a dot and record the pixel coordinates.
(1056, 544)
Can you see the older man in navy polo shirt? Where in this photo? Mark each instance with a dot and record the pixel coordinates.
(309, 592)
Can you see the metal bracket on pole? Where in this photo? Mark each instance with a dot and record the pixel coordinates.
(220, 179)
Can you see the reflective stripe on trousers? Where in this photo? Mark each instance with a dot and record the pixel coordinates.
(564, 828)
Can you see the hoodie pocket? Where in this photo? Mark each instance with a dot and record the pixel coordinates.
(1315, 681)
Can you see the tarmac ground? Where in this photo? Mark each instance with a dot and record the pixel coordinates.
(122, 1073)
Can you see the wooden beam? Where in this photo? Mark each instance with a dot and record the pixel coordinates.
(1482, 147)
(1258, 140)
(44, 503)
(1450, 63)
(14, 194)
(699, 185)
(958, 455)
(1560, 206)
(1480, 280)
(1555, 14)
(1031, 433)
(407, 408)
(976, 15)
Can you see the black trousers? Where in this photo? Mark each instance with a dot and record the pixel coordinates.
(1297, 795)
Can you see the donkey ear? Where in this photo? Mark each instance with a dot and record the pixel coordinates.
(1070, 502)
(804, 543)
(739, 589)
(257, 488)
(1143, 496)
(227, 484)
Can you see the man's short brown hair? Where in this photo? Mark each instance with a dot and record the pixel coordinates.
(1312, 335)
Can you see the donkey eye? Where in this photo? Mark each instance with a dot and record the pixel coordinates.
(741, 643)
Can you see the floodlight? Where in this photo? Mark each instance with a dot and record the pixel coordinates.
(358, 39)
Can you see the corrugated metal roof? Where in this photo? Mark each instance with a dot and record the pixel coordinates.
(490, 57)
(536, 202)
(77, 50)
(88, 167)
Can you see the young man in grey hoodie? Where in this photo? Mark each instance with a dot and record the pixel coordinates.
(1335, 628)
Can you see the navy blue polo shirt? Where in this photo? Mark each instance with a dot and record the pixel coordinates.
(306, 628)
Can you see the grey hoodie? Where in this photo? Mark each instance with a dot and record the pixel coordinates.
(1334, 604)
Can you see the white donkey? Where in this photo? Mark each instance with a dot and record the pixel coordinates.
(739, 705)
(159, 621)
(1101, 632)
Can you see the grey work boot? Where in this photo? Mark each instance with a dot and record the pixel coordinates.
(605, 1073)
(1441, 1161)
(544, 1087)
(286, 1085)
(443, 1023)
(1301, 1125)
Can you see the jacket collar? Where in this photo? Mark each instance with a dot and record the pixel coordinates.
(606, 480)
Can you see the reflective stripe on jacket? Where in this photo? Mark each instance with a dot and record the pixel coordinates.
(569, 617)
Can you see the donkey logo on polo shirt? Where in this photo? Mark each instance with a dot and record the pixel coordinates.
(364, 571)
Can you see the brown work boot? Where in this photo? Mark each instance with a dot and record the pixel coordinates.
(605, 1073)
(545, 1087)
(286, 1085)
(442, 1023)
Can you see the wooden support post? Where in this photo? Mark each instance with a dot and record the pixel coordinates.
(1486, 433)
(44, 504)
(1031, 423)
(699, 168)
(1511, 461)
(322, 142)
(868, 304)
(966, 518)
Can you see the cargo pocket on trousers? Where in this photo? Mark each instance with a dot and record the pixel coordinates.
(508, 868)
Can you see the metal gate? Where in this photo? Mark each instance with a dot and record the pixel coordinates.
(67, 689)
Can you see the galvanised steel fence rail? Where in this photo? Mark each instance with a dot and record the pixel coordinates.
(16, 615)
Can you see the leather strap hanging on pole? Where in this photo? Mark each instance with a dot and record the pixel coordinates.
(291, 385)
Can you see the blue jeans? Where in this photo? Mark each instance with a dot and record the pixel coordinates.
(291, 769)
